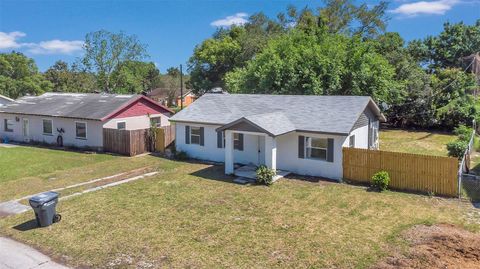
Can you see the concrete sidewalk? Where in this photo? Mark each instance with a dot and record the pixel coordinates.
(15, 255)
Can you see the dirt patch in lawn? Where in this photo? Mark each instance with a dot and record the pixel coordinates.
(437, 246)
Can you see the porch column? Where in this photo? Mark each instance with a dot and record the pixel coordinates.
(271, 152)
(229, 152)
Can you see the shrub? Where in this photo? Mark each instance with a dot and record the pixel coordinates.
(463, 132)
(457, 148)
(265, 175)
(380, 180)
(181, 155)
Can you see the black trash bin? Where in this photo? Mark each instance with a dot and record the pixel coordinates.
(44, 206)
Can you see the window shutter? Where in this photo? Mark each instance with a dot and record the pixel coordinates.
(301, 146)
(187, 134)
(240, 141)
(202, 137)
(330, 150)
(220, 139)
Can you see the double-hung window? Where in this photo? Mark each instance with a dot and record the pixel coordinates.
(47, 127)
(352, 141)
(8, 125)
(81, 130)
(195, 135)
(316, 148)
(237, 141)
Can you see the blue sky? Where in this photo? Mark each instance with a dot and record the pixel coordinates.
(53, 30)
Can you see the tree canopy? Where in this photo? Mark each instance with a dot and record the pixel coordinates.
(19, 76)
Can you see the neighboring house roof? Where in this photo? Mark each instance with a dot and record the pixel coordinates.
(75, 105)
(163, 92)
(5, 99)
(278, 114)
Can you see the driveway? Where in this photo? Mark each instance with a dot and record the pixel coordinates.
(15, 255)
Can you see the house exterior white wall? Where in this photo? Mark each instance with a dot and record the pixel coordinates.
(287, 156)
(286, 147)
(361, 138)
(137, 122)
(209, 151)
(94, 130)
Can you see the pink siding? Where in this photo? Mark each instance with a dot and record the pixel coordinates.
(139, 108)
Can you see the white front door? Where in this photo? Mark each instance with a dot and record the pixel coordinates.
(26, 129)
(261, 150)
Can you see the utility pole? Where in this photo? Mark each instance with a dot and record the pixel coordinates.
(181, 87)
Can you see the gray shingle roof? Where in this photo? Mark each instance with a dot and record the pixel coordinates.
(280, 113)
(69, 105)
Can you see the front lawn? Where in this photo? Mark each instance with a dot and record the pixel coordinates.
(193, 216)
(29, 170)
(419, 142)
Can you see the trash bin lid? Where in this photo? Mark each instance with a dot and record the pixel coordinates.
(44, 197)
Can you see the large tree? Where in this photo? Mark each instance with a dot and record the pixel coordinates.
(327, 64)
(67, 78)
(134, 77)
(19, 76)
(228, 49)
(106, 51)
(447, 49)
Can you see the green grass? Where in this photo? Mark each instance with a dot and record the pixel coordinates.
(419, 142)
(191, 215)
(29, 170)
(21, 162)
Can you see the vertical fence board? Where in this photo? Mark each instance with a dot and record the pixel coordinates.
(164, 137)
(125, 142)
(412, 172)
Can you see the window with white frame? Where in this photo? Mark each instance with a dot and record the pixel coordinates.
(8, 125)
(156, 122)
(121, 125)
(195, 135)
(47, 127)
(352, 141)
(316, 148)
(81, 130)
(237, 143)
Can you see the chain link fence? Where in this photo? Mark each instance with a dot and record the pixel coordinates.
(468, 182)
(470, 187)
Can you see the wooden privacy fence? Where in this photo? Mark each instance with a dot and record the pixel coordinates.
(125, 142)
(164, 137)
(412, 172)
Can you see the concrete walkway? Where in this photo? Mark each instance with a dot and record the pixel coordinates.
(14, 207)
(15, 255)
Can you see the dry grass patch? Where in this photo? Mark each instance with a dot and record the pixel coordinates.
(192, 216)
(419, 142)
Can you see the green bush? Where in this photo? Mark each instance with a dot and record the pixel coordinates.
(181, 155)
(380, 180)
(265, 175)
(463, 132)
(457, 148)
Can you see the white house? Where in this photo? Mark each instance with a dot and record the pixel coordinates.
(77, 119)
(299, 134)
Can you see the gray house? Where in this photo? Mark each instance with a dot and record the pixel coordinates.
(294, 133)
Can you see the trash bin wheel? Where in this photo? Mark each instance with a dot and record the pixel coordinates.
(57, 218)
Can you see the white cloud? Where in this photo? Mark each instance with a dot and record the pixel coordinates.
(237, 19)
(56, 47)
(10, 41)
(425, 7)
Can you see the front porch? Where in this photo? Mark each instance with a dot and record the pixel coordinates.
(249, 172)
